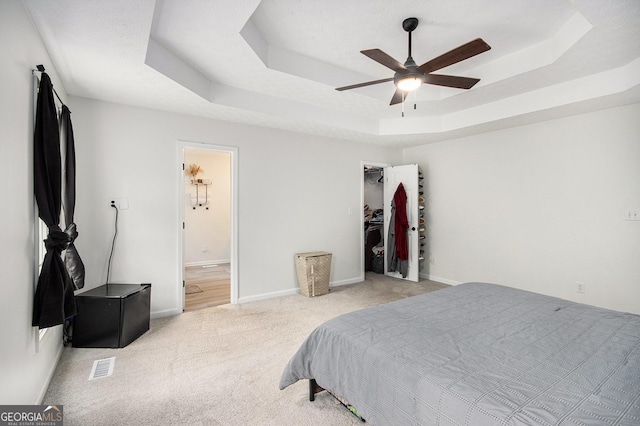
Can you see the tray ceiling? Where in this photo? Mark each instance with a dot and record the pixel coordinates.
(276, 63)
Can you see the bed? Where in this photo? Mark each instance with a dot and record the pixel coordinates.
(478, 354)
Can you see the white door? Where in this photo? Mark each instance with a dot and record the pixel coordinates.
(408, 176)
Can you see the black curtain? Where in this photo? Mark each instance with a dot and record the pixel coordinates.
(72, 260)
(54, 300)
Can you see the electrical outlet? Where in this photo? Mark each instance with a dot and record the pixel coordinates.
(205, 248)
(432, 260)
(631, 214)
(580, 287)
(119, 203)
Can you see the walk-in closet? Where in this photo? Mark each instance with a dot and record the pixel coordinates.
(400, 252)
(373, 217)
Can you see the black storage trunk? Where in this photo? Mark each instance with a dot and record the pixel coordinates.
(111, 316)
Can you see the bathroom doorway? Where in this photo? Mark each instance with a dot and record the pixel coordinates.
(208, 260)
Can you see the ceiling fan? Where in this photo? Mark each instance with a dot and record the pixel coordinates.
(409, 76)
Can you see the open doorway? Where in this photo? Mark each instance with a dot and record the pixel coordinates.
(372, 198)
(380, 182)
(208, 205)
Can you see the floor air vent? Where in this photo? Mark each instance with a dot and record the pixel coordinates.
(102, 368)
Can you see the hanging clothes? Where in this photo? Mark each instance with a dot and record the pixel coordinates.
(54, 300)
(398, 259)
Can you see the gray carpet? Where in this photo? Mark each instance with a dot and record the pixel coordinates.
(216, 366)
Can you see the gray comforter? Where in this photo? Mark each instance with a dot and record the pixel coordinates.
(479, 354)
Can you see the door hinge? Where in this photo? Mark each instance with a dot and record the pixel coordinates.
(183, 284)
(182, 225)
(182, 166)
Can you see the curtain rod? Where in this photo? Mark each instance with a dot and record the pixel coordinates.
(40, 68)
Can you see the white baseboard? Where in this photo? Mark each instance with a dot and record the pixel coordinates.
(293, 291)
(207, 262)
(52, 370)
(346, 282)
(265, 296)
(165, 313)
(440, 279)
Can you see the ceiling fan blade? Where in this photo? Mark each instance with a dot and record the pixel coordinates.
(384, 59)
(368, 83)
(451, 81)
(456, 55)
(398, 97)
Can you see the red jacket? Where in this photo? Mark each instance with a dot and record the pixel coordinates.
(401, 224)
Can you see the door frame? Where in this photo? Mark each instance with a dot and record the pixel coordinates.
(233, 250)
(362, 166)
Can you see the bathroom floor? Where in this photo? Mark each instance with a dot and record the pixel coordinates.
(207, 286)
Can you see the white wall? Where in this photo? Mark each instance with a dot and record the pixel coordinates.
(207, 236)
(24, 373)
(294, 194)
(540, 207)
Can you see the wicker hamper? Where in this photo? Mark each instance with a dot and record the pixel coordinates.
(313, 271)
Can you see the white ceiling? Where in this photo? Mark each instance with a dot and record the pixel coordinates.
(276, 63)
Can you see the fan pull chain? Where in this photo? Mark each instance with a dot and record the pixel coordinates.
(404, 98)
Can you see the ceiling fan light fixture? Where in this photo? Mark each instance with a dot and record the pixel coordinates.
(409, 76)
(409, 83)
